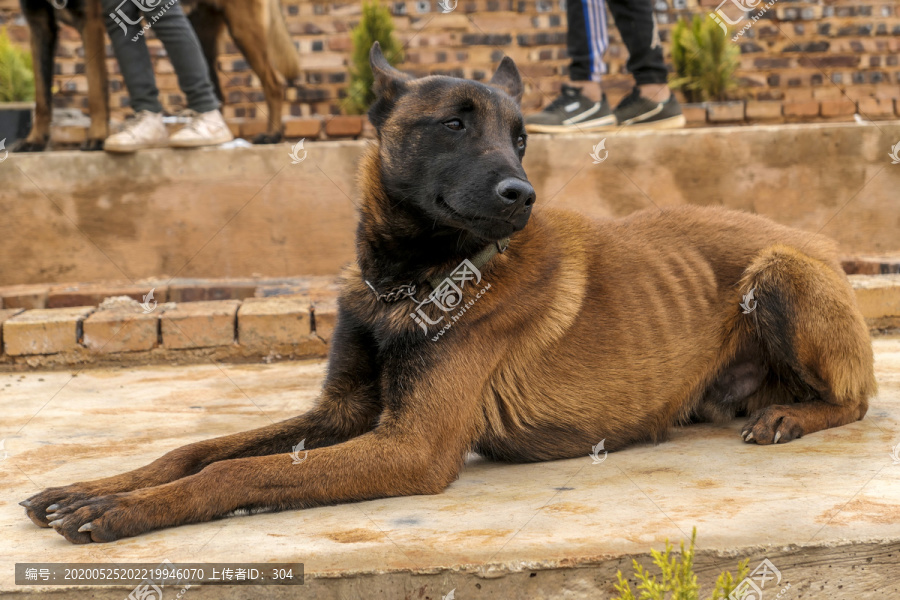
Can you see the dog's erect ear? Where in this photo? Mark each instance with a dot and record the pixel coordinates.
(389, 84)
(507, 78)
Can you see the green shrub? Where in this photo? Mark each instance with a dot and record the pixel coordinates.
(376, 25)
(705, 60)
(677, 577)
(16, 76)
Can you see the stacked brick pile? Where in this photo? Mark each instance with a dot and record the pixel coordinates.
(184, 320)
(802, 61)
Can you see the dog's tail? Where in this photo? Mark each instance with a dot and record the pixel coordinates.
(281, 48)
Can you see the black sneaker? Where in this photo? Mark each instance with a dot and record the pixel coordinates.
(636, 111)
(572, 111)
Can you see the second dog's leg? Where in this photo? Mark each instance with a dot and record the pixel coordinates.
(95, 67)
(43, 27)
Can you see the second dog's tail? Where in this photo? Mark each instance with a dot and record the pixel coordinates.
(281, 48)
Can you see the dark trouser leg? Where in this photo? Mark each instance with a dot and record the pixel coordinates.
(133, 56)
(587, 39)
(636, 24)
(186, 54)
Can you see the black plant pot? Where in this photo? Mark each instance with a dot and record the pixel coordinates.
(15, 121)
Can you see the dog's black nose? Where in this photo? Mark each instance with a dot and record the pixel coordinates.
(515, 191)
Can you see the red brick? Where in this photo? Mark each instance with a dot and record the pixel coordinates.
(199, 324)
(195, 290)
(308, 128)
(344, 126)
(122, 328)
(719, 112)
(763, 110)
(44, 331)
(250, 129)
(267, 322)
(6, 314)
(25, 296)
(837, 108)
(68, 134)
(873, 108)
(809, 108)
(694, 113)
(84, 294)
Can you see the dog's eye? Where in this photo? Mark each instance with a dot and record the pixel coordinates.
(454, 124)
(520, 143)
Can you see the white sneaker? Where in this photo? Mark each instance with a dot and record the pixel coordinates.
(204, 129)
(146, 130)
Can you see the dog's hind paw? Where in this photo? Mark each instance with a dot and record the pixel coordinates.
(92, 145)
(772, 425)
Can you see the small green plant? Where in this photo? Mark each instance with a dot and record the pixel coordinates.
(16, 76)
(376, 25)
(677, 577)
(705, 60)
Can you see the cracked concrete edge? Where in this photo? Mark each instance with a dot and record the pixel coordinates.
(836, 569)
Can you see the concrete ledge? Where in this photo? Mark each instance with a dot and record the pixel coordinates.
(822, 508)
(242, 212)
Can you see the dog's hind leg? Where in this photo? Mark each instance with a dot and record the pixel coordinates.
(44, 30)
(808, 325)
(248, 23)
(349, 407)
(208, 23)
(92, 33)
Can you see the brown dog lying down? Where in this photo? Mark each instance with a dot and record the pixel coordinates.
(579, 331)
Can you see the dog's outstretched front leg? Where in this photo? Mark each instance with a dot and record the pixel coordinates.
(349, 407)
(418, 447)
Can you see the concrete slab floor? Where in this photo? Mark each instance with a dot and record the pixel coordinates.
(824, 509)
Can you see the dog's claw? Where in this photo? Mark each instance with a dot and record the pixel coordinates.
(25, 503)
(86, 527)
(53, 508)
(56, 523)
(749, 437)
(777, 437)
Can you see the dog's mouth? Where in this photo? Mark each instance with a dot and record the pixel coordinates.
(489, 228)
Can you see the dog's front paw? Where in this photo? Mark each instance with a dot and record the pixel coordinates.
(98, 519)
(772, 425)
(48, 501)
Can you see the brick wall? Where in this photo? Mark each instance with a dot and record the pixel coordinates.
(804, 54)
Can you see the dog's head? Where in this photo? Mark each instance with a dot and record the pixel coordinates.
(451, 149)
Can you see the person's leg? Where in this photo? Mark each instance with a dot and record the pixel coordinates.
(133, 56)
(171, 26)
(637, 26)
(123, 22)
(581, 105)
(650, 104)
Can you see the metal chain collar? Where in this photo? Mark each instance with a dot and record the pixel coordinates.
(398, 293)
